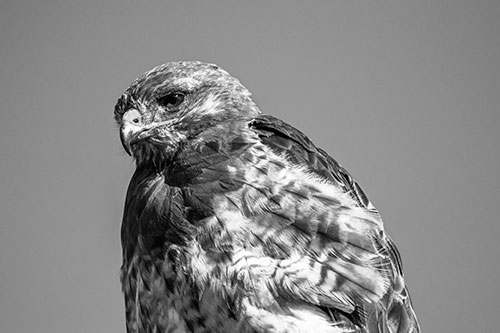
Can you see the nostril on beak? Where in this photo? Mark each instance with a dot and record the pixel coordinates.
(132, 124)
(133, 117)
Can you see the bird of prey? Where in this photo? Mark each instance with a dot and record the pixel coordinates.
(234, 221)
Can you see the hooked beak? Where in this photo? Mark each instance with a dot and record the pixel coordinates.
(130, 129)
(134, 130)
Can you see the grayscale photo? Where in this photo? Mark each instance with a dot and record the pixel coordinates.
(249, 166)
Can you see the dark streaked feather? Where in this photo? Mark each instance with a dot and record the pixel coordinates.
(285, 139)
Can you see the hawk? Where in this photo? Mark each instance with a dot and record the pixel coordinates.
(234, 221)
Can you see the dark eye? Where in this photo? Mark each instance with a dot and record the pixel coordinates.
(172, 100)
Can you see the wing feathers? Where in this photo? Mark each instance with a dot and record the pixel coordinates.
(340, 256)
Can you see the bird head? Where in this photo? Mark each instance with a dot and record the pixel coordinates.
(175, 103)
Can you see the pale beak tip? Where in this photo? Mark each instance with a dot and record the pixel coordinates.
(125, 143)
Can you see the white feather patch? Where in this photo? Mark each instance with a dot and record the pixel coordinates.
(209, 106)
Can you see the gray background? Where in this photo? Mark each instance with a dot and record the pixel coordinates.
(405, 94)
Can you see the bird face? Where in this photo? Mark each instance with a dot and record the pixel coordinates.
(175, 103)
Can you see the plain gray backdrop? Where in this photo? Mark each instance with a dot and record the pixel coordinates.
(404, 94)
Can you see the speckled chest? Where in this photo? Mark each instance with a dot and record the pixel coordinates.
(162, 290)
(155, 297)
(161, 297)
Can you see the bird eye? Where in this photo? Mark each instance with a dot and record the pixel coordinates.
(172, 100)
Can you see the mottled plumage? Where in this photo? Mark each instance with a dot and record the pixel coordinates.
(235, 221)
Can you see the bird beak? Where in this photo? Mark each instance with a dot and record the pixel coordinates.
(131, 126)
